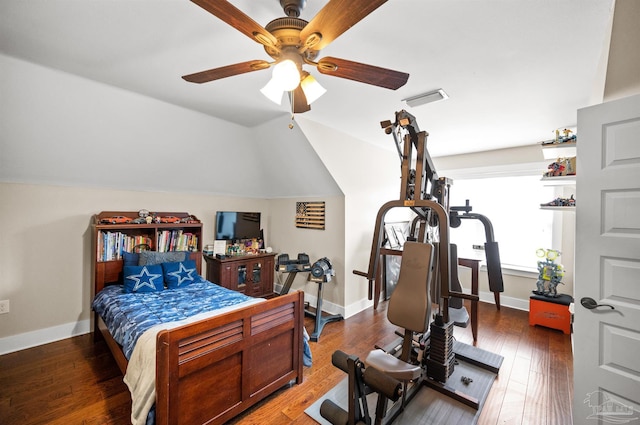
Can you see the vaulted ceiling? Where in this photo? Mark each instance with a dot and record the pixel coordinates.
(515, 70)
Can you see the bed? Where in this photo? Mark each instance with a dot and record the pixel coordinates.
(209, 369)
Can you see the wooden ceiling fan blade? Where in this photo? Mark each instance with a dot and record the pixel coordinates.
(336, 17)
(238, 19)
(226, 71)
(368, 74)
(299, 101)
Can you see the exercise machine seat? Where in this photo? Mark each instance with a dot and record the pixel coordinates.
(392, 366)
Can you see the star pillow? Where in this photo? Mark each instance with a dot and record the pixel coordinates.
(181, 274)
(143, 278)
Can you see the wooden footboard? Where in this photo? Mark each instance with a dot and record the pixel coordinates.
(210, 371)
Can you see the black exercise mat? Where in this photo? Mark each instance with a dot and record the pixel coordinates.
(430, 406)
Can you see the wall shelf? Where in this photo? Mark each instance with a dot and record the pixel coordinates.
(559, 181)
(558, 208)
(558, 150)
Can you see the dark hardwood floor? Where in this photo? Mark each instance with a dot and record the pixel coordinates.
(76, 381)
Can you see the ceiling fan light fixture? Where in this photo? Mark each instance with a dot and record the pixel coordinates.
(273, 92)
(286, 75)
(311, 88)
(421, 99)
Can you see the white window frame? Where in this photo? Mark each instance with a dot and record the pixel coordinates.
(517, 170)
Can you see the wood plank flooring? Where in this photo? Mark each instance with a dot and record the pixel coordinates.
(76, 381)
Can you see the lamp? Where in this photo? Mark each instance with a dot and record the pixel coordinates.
(273, 91)
(428, 97)
(285, 77)
(311, 88)
(282, 80)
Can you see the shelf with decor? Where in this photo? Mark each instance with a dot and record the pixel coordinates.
(557, 208)
(562, 171)
(118, 232)
(559, 180)
(552, 150)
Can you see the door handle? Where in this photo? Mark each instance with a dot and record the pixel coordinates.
(590, 303)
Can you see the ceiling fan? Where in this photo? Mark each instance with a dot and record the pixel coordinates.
(294, 42)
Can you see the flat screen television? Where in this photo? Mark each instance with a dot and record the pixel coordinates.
(232, 225)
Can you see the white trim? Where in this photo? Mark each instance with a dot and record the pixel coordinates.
(517, 303)
(494, 171)
(56, 333)
(26, 340)
(357, 307)
(513, 270)
(327, 306)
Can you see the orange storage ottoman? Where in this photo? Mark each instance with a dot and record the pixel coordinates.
(551, 312)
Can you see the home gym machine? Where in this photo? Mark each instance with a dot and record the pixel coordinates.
(426, 355)
(419, 183)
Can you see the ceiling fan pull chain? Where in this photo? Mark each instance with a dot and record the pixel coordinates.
(292, 94)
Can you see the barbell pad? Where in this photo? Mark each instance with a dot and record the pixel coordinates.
(494, 270)
(389, 387)
(339, 360)
(334, 413)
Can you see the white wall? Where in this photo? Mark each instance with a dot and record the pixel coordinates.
(289, 162)
(623, 66)
(46, 246)
(286, 238)
(368, 176)
(71, 147)
(61, 129)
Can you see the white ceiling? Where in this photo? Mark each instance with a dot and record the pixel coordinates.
(515, 70)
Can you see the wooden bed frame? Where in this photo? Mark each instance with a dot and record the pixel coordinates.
(212, 370)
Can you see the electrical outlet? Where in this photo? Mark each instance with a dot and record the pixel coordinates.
(4, 306)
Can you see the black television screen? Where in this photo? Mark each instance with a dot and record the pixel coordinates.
(234, 225)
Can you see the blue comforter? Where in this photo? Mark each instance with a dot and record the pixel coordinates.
(128, 315)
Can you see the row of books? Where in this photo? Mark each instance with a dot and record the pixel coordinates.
(111, 245)
(176, 240)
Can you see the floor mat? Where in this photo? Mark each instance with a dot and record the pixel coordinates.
(430, 406)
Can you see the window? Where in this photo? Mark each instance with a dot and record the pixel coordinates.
(512, 204)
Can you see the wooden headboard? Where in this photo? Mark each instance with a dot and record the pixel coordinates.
(110, 272)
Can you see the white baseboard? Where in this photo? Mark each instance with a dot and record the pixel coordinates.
(487, 297)
(19, 342)
(25, 340)
(517, 303)
(327, 306)
(358, 306)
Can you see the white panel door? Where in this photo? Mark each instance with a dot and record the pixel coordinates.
(607, 337)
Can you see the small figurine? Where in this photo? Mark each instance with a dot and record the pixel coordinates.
(556, 168)
(550, 274)
(566, 136)
(561, 202)
(116, 219)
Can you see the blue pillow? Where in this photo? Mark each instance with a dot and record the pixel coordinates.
(146, 258)
(130, 258)
(180, 274)
(143, 278)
